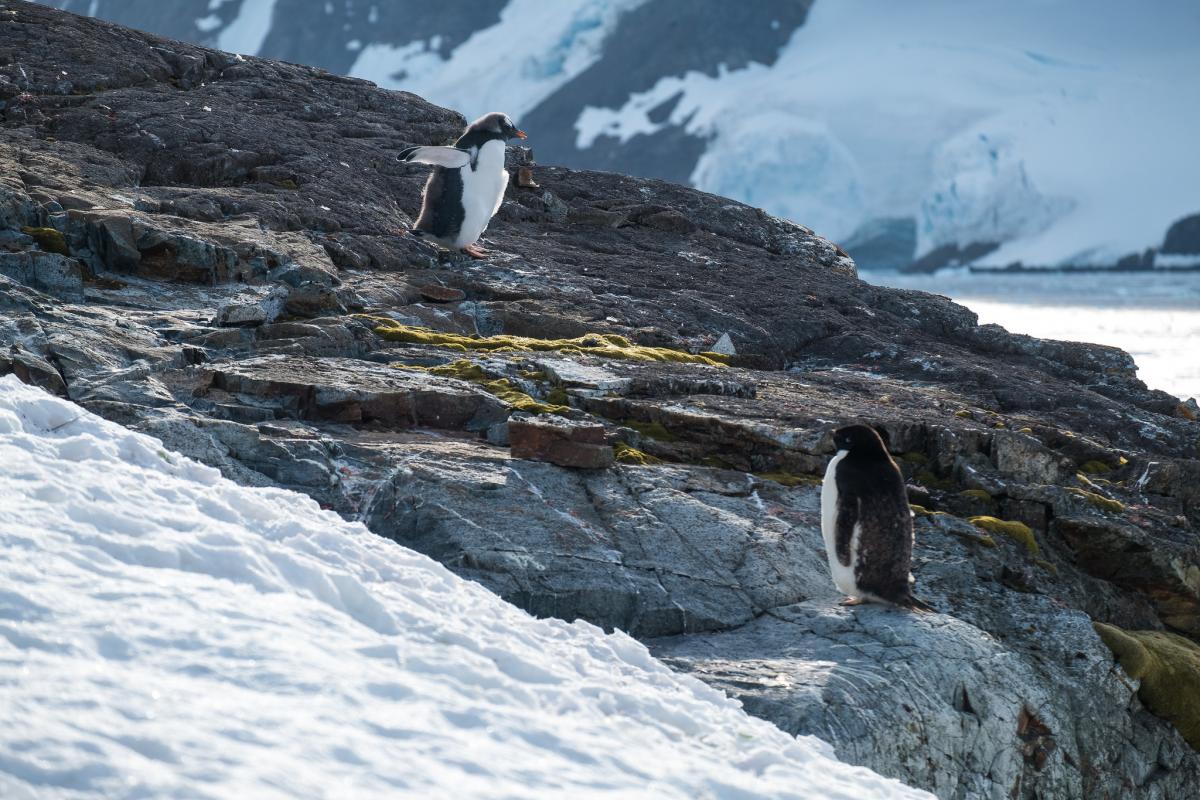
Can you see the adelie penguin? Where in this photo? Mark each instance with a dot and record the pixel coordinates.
(467, 184)
(867, 523)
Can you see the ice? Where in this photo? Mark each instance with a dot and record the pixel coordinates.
(167, 633)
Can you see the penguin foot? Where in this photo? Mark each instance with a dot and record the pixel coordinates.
(476, 252)
(852, 601)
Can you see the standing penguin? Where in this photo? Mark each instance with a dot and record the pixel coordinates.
(467, 184)
(866, 522)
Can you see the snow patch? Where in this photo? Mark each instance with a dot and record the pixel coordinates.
(249, 29)
(167, 633)
(513, 65)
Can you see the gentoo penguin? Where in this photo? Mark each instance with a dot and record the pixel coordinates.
(866, 521)
(467, 184)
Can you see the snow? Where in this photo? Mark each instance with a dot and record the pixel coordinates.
(1155, 317)
(1063, 128)
(511, 66)
(249, 29)
(166, 633)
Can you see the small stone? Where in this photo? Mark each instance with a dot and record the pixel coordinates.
(560, 441)
(436, 293)
(724, 346)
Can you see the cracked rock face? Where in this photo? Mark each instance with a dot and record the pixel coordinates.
(209, 249)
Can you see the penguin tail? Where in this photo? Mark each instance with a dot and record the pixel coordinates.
(914, 603)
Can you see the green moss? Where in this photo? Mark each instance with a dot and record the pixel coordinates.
(788, 478)
(631, 455)
(1094, 467)
(558, 396)
(1046, 565)
(963, 413)
(608, 345)
(931, 481)
(1168, 666)
(49, 239)
(1099, 501)
(922, 511)
(716, 462)
(1017, 531)
(503, 388)
(913, 458)
(976, 494)
(654, 430)
(533, 374)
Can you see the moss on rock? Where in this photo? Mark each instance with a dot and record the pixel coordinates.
(607, 345)
(1017, 531)
(788, 478)
(49, 239)
(1099, 501)
(976, 494)
(631, 455)
(503, 388)
(1168, 666)
(932, 481)
(654, 430)
(1094, 467)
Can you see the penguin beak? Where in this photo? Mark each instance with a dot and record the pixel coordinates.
(521, 135)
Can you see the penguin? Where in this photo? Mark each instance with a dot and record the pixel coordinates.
(467, 184)
(866, 522)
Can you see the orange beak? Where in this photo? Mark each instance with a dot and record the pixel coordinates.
(521, 135)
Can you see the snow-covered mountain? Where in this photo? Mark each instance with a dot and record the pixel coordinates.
(1040, 132)
(167, 633)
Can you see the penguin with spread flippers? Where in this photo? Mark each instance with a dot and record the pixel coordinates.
(467, 184)
(866, 522)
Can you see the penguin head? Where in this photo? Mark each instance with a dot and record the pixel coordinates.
(495, 125)
(859, 440)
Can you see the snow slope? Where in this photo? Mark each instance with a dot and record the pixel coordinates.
(1064, 129)
(166, 633)
(511, 66)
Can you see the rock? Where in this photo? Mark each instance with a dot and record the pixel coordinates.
(441, 294)
(49, 272)
(256, 309)
(559, 441)
(724, 346)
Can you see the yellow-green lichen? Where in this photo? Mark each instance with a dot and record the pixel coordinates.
(913, 458)
(1168, 666)
(49, 239)
(931, 481)
(1046, 565)
(976, 494)
(1094, 467)
(1099, 501)
(922, 511)
(963, 413)
(558, 396)
(503, 388)
(788, 478)
(1017, 531)
(654, 430)
(631, 455)
(607, 345)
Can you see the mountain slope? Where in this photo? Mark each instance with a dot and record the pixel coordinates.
(1040, 133)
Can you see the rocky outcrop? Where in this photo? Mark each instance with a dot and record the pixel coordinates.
(621, 416)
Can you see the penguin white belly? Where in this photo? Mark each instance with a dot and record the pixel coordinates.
(843, 576)
(482, 192)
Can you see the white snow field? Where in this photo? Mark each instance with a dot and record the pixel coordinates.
(167, 633)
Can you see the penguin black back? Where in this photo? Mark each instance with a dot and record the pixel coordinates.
(871, 496)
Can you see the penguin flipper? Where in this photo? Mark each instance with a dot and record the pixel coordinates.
(437, 156)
